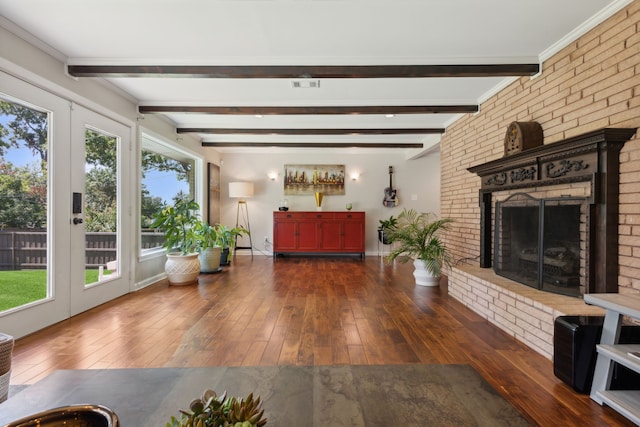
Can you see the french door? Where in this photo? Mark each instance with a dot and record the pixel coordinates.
(100, 225)
(75, 254)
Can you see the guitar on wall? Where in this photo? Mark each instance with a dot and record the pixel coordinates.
(390, 194)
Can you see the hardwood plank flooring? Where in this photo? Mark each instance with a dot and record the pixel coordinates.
(305, 311)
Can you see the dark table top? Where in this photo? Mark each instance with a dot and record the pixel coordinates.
(335, 396)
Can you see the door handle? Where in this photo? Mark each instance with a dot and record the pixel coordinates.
(77, 221)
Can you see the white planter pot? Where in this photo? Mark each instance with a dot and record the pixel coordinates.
(182, 269)
(210, 259)
(423, 277)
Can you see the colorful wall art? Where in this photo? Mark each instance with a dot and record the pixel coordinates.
(302, 180)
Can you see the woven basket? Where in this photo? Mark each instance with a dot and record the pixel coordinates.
(6, 348)
(4, 386)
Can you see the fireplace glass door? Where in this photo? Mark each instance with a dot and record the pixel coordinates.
(540, 242)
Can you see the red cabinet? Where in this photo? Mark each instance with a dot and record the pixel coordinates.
(318, 232)
(308, 235)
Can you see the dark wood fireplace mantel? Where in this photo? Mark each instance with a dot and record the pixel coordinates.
(592, 157)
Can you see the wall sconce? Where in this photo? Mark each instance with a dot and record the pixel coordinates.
(273, 176)
(355, 176)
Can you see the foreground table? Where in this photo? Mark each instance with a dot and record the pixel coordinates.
(301, 396)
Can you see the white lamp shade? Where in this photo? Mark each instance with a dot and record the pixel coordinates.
(240, 189)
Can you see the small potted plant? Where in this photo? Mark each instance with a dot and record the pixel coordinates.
(226, 239)
(208, 249)
(385, 227)
(214, 410)
(418, 237)
(178, 223)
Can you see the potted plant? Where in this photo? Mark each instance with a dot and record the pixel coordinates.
(385, 227)
(178, 223)
(208, 249)
(226, 239)
(224, 410)
(418, 236)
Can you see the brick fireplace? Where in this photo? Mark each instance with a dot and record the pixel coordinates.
(582, 170)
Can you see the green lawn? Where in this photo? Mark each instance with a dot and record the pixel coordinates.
(24, 286)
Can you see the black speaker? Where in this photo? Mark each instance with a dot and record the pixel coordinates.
(574, 352)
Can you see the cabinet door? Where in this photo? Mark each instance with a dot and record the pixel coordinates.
(308, 236)
(284, 235)
(353, 235)
(331, 232)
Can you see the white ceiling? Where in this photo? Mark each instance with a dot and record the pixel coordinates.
(306, 33)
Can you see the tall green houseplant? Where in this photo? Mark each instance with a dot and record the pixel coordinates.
(418, 236)
(178, 223)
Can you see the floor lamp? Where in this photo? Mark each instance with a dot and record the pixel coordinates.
(241, 191)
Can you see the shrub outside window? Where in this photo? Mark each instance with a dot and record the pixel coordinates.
(168, 174)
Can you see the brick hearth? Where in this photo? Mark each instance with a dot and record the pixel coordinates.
(525, 313)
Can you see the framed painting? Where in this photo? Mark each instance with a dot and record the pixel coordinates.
(213, 211)
(301, 180)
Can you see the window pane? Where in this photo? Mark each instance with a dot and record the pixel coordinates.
(101, 206)
(167, 175)
(23, 205)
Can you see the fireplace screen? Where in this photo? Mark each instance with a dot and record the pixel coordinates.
(540, 242)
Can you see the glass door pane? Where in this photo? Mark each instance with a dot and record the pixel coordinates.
(23, 205)
(101, 206)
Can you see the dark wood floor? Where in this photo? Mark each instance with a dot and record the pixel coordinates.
(305, 311)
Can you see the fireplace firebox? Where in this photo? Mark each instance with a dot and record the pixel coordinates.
(541, 242)
(532, 245)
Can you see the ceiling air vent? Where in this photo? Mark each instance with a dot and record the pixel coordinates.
(305, 84)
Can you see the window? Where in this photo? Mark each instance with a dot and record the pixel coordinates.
(168, 174)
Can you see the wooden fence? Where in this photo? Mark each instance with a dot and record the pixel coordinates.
(21, 250)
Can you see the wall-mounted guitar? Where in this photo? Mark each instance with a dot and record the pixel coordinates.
(390, 194)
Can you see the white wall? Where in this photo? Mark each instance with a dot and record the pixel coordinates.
(419, 178)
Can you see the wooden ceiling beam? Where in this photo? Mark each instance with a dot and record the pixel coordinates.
(304, 72)
(313, 144)
(320, 110)
(280, 131)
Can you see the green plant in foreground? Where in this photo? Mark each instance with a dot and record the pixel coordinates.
(221, 411)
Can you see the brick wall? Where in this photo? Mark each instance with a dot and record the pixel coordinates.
(591, 84)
